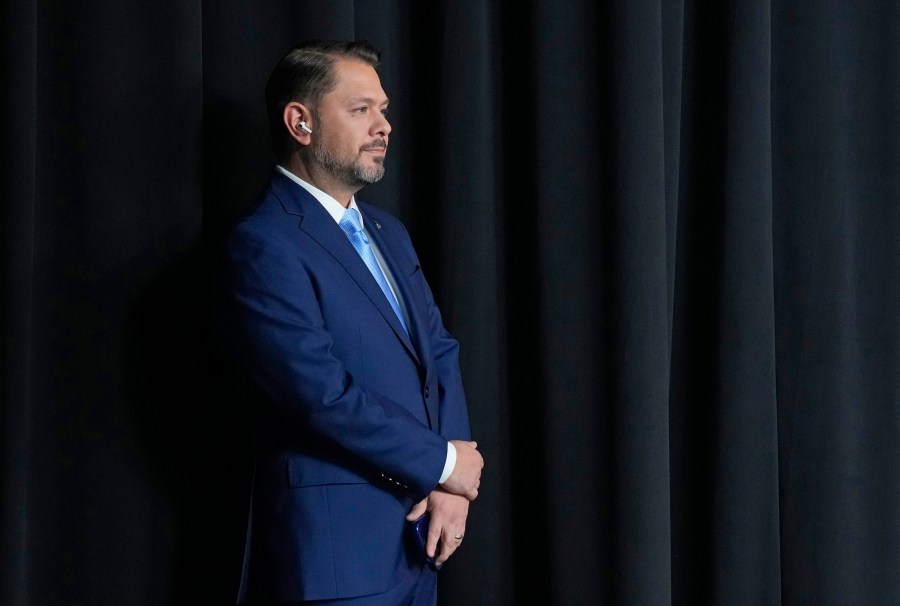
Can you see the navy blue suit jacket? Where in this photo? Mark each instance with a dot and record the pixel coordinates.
(357, 412)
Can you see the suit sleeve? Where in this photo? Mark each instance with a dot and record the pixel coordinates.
(278, 327)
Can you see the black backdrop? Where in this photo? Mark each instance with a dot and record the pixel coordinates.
(665, 234)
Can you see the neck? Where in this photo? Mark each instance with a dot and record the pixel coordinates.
(313, 174)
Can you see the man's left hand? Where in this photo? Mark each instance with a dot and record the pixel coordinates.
(448, 523)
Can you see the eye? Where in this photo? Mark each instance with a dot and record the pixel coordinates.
(361, 109)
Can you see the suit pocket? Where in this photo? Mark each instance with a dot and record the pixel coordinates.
(306, 471)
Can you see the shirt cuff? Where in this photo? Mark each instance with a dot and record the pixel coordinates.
(449, 464)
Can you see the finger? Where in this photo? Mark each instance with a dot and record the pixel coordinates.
(417, 511)
(431, 542)
(449, 544)
(447, 549)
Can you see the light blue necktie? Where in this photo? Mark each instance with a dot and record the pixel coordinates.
(352, 224)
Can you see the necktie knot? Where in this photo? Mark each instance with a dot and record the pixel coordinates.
(351, 223)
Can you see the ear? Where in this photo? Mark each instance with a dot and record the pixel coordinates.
(294, 114)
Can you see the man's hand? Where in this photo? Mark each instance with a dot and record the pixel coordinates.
(447, 525)
(466, 476)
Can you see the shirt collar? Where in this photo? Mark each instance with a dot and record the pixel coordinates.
(334, 208)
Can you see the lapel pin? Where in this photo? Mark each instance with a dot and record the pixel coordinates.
(377, 225)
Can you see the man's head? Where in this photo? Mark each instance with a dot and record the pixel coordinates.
(325, 99)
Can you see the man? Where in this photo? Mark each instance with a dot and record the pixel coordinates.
(364, 426)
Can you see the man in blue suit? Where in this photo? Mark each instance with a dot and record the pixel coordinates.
(364, 424)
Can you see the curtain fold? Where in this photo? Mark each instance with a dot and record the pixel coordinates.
(663, 232)
(19, 72)
(837, 188)
(634, 266)
(725, 362)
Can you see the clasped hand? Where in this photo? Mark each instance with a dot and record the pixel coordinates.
(466, 476)
(447, 525)
(448, 504)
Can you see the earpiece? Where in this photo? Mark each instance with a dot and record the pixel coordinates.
(302, 126)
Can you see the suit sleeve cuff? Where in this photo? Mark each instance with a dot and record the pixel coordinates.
(449, 464)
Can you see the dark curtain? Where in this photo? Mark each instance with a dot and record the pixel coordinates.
(665, 234)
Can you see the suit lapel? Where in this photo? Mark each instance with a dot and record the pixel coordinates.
(321, 227)
(417, 317)
(418, 321)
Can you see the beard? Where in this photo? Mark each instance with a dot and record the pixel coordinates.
(349, 170)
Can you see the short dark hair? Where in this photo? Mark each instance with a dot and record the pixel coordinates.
(305, 73)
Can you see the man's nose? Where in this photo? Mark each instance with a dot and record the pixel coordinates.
(382, 126)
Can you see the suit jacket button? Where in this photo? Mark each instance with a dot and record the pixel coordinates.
(427, 391)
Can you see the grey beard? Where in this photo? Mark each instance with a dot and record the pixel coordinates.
(350, 173)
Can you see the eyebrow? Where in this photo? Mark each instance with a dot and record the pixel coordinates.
(367, 100)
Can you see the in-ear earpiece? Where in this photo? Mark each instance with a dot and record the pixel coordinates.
(302, 126)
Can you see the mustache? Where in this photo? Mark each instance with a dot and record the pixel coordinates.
(377, 144)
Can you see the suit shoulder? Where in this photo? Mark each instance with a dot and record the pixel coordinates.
(264, 229)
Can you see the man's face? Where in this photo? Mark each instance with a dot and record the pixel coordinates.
(351, 133)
